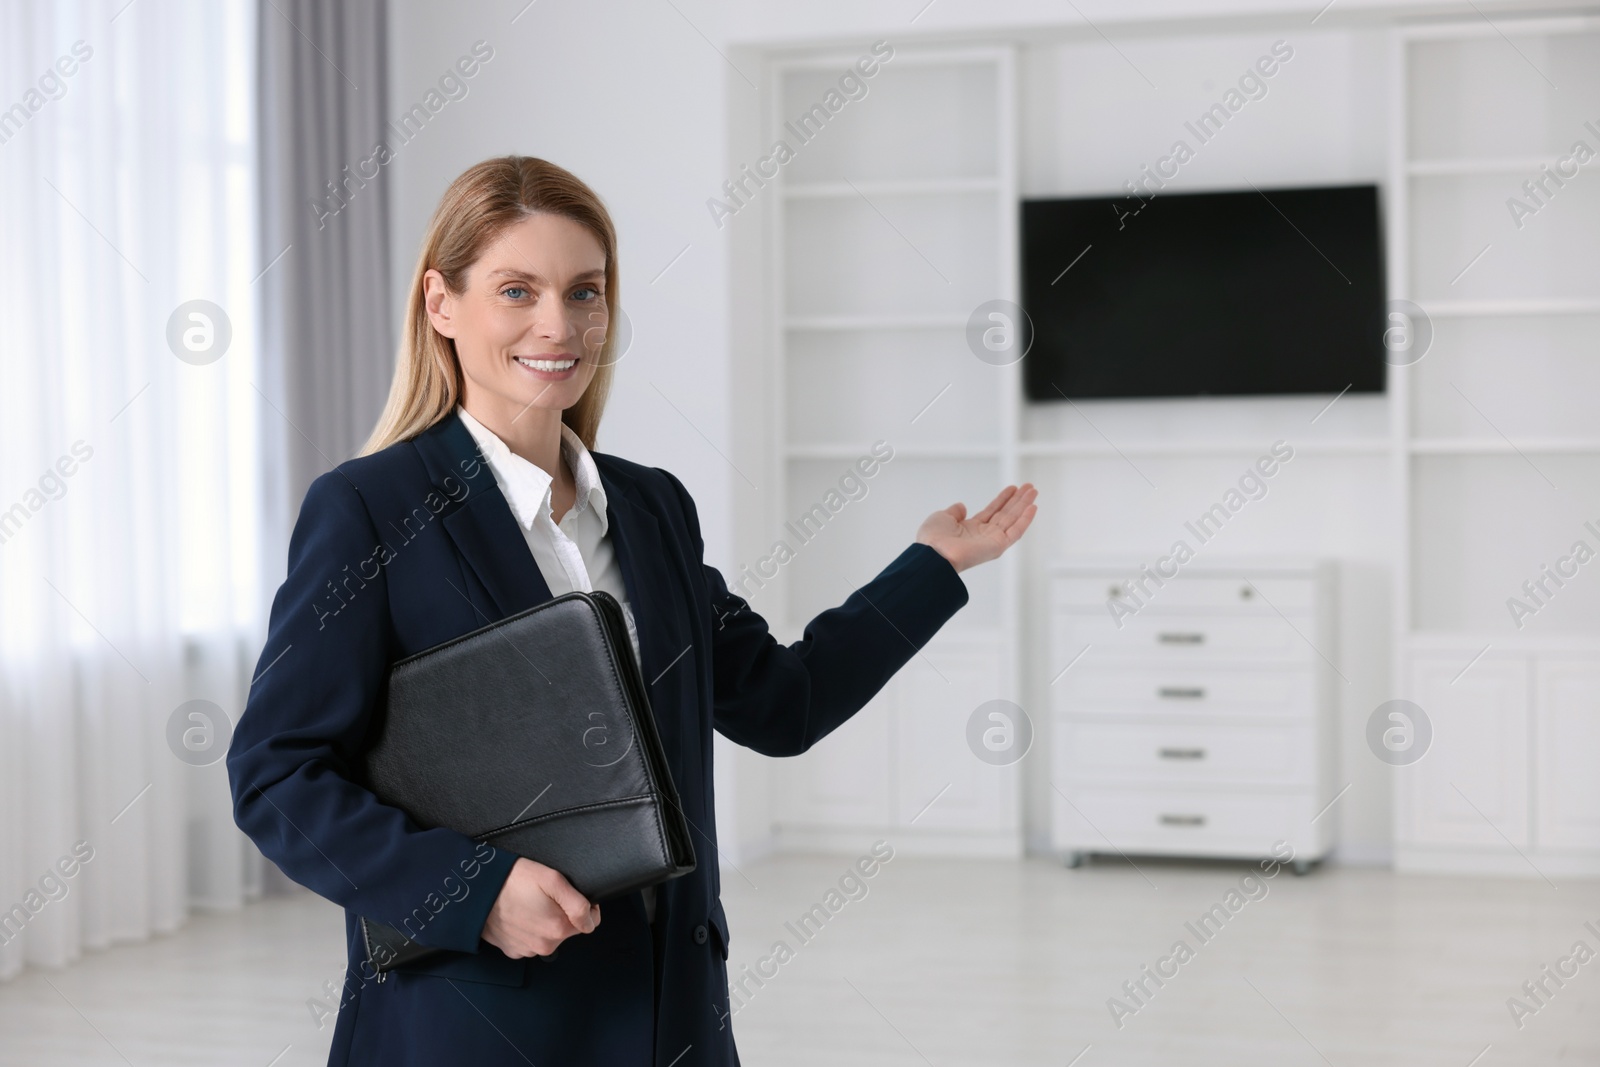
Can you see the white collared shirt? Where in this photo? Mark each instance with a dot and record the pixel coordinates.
(576, 553)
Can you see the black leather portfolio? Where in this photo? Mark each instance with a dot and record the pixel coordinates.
(533, 734)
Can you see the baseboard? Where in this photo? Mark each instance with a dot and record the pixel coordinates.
(1432, 859)
(906, 841)
(1369, 854)
(751, 851)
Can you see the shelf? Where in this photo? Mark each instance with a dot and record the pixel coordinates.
(1525, 25)
(1447, 309)
(925, 117)
(1471, 642)
(1071, 449)
(1489, 446)
(1097, 564)
(831, 62)
(876, 322)
(908, 451)
(951, 634)
(931, 187)
(1446, 168)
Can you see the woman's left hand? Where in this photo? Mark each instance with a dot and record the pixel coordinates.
(968, 542)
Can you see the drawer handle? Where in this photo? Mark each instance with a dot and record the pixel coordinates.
(1182, 753)
(1183, 820)
(1181, 639)
(1181, 692)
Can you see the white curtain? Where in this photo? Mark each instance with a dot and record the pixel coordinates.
(130, 503)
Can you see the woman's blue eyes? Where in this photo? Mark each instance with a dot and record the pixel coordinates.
(513, 290)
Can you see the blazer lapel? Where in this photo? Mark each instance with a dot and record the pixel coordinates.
(646, 573)
(489, 539)
(483, 528)
(487, 536)
(636, 537)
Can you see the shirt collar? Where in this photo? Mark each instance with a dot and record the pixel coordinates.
(527, 486)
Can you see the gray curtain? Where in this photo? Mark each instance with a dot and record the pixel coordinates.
(327, 330)
(326, 334)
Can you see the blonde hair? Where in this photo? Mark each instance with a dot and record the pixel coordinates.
(476, 209)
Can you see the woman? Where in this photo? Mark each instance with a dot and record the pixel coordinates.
(477, 496)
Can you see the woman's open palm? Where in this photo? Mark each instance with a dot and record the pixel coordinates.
(967, 542)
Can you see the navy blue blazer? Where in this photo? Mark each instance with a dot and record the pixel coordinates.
(414, 545)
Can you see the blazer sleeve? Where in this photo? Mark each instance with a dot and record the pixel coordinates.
(294, 763)
(781, 699)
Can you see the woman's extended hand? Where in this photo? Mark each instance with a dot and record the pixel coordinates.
(968, 542)
(536, 910)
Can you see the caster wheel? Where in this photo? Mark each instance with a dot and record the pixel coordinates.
(1302, 868)
(1075, 859)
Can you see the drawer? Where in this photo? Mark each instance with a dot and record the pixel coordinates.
(1179, 753)
(1159, 638)
(1090, 593)
(1170, 690)
(1177, 821)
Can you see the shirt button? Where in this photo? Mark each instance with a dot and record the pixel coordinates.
(700, 935)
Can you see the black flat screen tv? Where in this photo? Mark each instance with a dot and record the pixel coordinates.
(1204, 294)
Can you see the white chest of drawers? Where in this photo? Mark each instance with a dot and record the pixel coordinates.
(1192, 714)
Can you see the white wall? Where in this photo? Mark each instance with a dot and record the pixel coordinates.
(628, 101)
(631, 98)
(642, 99)
(1090, 121)
(771, 22)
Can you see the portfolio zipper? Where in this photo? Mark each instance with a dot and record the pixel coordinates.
(383, 975)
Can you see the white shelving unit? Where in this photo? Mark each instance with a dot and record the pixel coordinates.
(895, 222)
(1493, 489)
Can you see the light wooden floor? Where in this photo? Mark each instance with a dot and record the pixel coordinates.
(952, 963)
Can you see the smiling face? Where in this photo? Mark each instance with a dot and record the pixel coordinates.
(531, 319)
